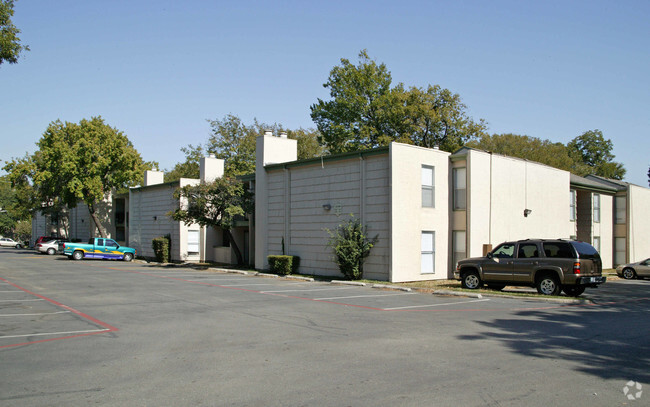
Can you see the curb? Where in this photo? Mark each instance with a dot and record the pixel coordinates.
(290, 277)
(392, 287)
(457, 293)
(242, 272)
(344, 282)
(266, 275)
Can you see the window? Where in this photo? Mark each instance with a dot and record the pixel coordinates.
(619, 251)
(572, 206)
(458, 241)
(527, 251)
(110, 243)
(459, 176)
(596, 243)
(428, 187)
(560, 250)
(621, 209)
(596, 208)
(504, 251)
(192, 242)
(428, 252)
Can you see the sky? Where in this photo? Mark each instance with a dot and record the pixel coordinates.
(157, 70)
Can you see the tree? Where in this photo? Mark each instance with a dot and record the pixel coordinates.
(216, 204)
(190, 168)
(526, 147)
(593, 155)
(308, 146)
(234, 142)
(10, 47)
(366, 112)
(80, 162)
(351, 246)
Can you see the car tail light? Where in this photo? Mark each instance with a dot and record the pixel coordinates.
(576, 267)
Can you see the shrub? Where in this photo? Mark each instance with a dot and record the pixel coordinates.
(351, 247)
(284, 265)
(161, 248)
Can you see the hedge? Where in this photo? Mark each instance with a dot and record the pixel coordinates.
(161, 248)
(284, 265)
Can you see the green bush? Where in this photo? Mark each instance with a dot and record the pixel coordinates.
(161, 248)
(284, 265)
(351, 247)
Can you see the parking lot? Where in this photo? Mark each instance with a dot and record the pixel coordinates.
(115, 333)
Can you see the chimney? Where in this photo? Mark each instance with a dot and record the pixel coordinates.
(210, 168)
(268, 133)
(153, 178)
(283, 134)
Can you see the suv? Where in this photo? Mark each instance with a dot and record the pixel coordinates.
(550, 265)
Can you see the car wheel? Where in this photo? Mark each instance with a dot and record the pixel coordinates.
(51, 251)
(574, 290)
(19, 246)
(78, 255)
(548, 284)
(628, 273)
(497, 287)
(128, 257)
(471, 280)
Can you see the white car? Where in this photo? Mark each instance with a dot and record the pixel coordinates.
(6, 242)
(49, 247)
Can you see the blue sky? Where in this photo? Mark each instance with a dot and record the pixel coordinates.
(156, 70)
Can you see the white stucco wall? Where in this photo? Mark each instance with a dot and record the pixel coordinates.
(500, 188)
(639, 223)
(409, 218)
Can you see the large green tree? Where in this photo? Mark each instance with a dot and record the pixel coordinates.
(80, 162)
(10, 46)
(215, 204)
(592, 154)
(190, 168)
(366, 111)
(530, 148)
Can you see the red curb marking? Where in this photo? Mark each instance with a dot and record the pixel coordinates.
(107, 327)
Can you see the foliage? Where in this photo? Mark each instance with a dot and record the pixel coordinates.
(593, 155)
(79, 162)
(216, 204)
(10, 47)
(162, 248)
(23, 230)
(308, 146)
(190, 168)
(366, 112)
(529, 148)
(351, 246)
(283, 265)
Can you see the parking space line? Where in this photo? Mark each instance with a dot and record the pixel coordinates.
(55, 333)
(435, 305)
(363, 296)
(37, 299)
(243, 285)
(316, 289)
(31, 315)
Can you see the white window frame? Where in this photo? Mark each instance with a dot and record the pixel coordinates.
(596, 208)
(428, 252)
(428, 186)
(620, 203)
(459, 174)
(190, 242)
(572, 205)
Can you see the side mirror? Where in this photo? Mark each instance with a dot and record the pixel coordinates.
(489, 255)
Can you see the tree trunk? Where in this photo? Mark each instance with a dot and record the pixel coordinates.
(240, 258)
(93, 216)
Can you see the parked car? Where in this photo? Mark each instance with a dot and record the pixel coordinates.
(42, 239)
(640, 269)
(7, 242)
(550, 265)
(98, 248)
(51, 247)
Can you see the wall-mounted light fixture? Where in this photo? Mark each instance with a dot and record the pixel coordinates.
(327, 207)
(527, 212)
(155, 218)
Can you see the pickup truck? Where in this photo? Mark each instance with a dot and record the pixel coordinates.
(98, 248)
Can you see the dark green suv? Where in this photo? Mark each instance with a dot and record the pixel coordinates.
(550, 265)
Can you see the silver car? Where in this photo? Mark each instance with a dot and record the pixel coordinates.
(49, 247)
(640, 269)
(6, 242)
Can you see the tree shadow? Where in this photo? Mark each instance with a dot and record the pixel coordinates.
(608, 339)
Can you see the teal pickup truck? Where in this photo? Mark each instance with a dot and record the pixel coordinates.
(98, 248)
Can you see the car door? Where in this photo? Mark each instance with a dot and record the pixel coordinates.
(110, 249)
(643, 270)
(525, 262)
(498, 265)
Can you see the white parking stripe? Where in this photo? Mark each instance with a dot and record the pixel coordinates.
(55, 333)
(246, 285)
(361, 296)
(38, 299)
(318, 289)
(435, 305)
(29, 315)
